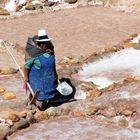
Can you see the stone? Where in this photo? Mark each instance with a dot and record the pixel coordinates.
(103, 50)
(66, 108)
(78, 58)
(72, 105)
(42, 1)
(30, 117)
(127, 112)
(108, 112)
(2, 120)
(9, 96)
(125, 104)
(132, 36)
(2, 1)
(2, 90)
(4, 130)
(19, 7)
(33, 111)
(87, 86)
(53, 111)
(9, 122)
(109, 49)
(71, 1)
(8, 71)
(38, 6)
(4, 12)
(128, 45)
(93, 94)
(136, 124)
(111, 87)
(13, 117)
(137, 78)
(66, 61)
(96, 3)
(129, 38)
(29, 6)
(49, 3)
(135, 116)
(40, 116)
(91, 110)
(23, 114)
(79, 112)
(129, 79)
(123, 122)
(6, 112)
(23, 123)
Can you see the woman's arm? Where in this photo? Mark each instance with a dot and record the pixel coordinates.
(26, 75)
(26, 71)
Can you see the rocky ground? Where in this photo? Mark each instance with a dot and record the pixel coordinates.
(91, 32)
(81, 128)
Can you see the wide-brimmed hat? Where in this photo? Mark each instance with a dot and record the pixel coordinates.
(42, 36)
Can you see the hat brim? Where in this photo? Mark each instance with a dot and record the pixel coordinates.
(43, 40)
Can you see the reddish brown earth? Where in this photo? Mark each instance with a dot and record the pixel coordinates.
(80, 31)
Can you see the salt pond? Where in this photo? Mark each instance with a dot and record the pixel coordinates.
(112, 68)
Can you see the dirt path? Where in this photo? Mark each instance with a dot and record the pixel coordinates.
(78, 31)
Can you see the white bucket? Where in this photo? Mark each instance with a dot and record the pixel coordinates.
(64, 88)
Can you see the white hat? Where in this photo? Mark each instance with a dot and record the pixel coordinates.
(42, 36)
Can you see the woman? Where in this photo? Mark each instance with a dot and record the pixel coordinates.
(40, 69)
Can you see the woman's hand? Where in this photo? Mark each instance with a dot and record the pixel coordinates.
(25, 83)
(48, 50)
(26, 73)
(26, 80)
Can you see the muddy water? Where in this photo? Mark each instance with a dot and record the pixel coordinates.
(75, 129)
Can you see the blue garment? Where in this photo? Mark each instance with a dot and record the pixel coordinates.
(42, 76)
